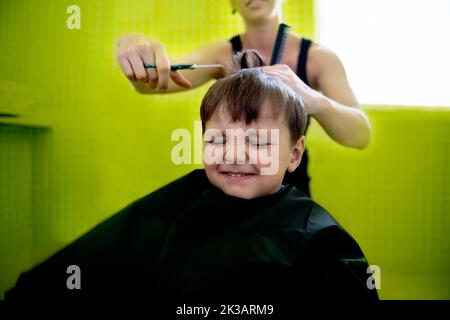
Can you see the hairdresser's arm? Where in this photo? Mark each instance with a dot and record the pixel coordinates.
(337, 109)
(333, 104)
(135, 50)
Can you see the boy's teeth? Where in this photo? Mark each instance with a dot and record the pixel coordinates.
(236, 174)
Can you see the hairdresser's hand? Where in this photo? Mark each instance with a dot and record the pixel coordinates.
(312, 98)
(135, 50)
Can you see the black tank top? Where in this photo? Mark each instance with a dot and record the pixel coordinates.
(299, 178)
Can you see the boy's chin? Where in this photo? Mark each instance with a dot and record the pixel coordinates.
(246, 194)
(242, 195)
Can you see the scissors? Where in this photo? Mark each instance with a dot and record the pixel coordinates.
(185, 66)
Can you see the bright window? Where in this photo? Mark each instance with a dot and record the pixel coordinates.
(396, 52)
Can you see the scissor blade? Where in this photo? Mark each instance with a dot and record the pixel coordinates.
(181, 66)
(208, 66)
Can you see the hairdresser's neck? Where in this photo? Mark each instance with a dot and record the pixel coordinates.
(261, 36)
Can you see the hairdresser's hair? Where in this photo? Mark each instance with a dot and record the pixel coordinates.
(244, 91)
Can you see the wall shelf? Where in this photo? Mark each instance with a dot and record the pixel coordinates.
(24, 121)
(16, 107)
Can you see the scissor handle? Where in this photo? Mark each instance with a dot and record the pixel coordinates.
(173, 66)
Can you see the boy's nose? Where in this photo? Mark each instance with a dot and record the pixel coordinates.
(235, 152)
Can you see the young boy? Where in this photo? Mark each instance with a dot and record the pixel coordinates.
(230, 231)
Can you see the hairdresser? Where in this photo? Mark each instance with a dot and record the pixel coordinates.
(312, 70)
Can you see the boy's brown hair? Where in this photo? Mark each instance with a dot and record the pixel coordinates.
(244, 91)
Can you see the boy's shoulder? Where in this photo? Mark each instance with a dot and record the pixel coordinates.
(127, 236)
(176, 196)
(310, 215)
(182, 189)
(321, 231)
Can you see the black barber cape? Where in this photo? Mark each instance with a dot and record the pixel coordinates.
(188, 241)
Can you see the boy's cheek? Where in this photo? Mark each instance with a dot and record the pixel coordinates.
(210, 167)
(271, 169)
(268, 164)
(261, 158)
(212, 155)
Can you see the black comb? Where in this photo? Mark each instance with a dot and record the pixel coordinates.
(280, 44)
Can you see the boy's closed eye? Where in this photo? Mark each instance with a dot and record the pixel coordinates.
(216, 141)
(260, 144)
(220, 142)
(259, 141)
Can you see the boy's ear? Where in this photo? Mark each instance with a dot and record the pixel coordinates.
(296, 154)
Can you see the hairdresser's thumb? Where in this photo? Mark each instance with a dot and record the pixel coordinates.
(180, 80)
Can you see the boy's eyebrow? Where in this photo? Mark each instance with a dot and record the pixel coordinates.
(251, 132)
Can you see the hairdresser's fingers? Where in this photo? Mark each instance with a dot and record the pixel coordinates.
(138, 67)
(126, 67)
(283, 77)
(275, 73)
(291, 79)
(163, 67)
(285, 74)
(147, 55)
(277, 69)
(152, 75)
(180, 80)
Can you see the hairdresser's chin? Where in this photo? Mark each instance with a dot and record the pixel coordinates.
(258, 11)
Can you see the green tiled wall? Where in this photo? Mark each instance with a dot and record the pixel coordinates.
(108, 145)
(16, 220)
(394, 196)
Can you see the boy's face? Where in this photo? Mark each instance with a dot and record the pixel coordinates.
(253, 162)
